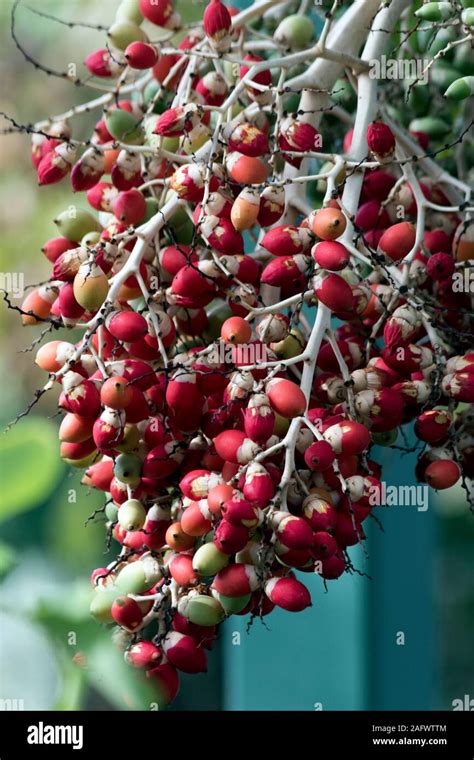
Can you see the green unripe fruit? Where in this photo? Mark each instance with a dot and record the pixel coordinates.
(74, 223)
(131, 439)
(295, 31)
(232, 605)
(152, 207)
(139, 576)
(111, 512)
(128, 468)
(129, 10)
(387, 438)
(433, 126)
(467, 3)
(202, 610)
(182, 227)
(281, 426)
(463, 58)
(132, 514)
(343, 94)
(162, 103)
(461, 88)
(101, 605)
(467, 16)
(124, 126)
(435, 11)
(291, 346)
(90, 240)
(122, 33)
(208, 560)
(217, 313)
(195, 139)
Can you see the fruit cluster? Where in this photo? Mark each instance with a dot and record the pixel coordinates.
(232, 436)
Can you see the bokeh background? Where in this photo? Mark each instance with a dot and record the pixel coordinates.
(341, 654)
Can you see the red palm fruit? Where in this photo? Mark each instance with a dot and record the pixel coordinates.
(195, 519)
(79, 396)
(205, 635)
(259, 486)
(197, 484)
(377, 184)
(175, 122)
(212, 88)
(286, 240)
(286, 398)
(127, 613)
(99, 475)
(217, 25)
(188, 182)
(181, 569)
(319, 456)
(437, 240)
(291, 531)
(236, 580)
(332, 567)
(397, 241)
(443, 473)
(432, 426)
(166, 680)
(319, 513)
(286, 269)
(236, 330)
(263, 77)
(102, 196)
(240, 512)
(219, 233)
(272, 206)
(192, 322)
(460, 386)
(380, 139)
(217, 497)
(54, 354)
(328, 223)
(247, 139)
(440, 266)
(233, 446)
(162, 69)
(143, 654)
(229, 538)
(37, 304)
(172, 259)
(162, 460)
(259, 418)
(137, 408)
(371, 215)
(76, 451)
(116, 393)
(67, 307)
(245, 209)
(124, 169)
(193, 287)
(184, 398)
(141, 55)
(177, 539)
(288, 593)
(108, 429)
(348, 437)
(102, 64)
(247, 170)
(297, 136)
(184, 652)
(348, 531)
(324, 545)
(333, 291)
(139, 374)
(330, 255)
(156, 11)
(53, 248)
(87, 172)
(75, 429)
(56, 164)
(129, 207)
(127, 326)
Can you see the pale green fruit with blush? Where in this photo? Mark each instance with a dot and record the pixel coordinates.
(208, 560)
(295, 31)
(281, 426)
(90, 240)
(124, 126)
(291, 346)
(111, 511)
(138, 576)
(232, 605)
(101, 605)
(129, 10)
(132, 515)
(201, 610)
(122, 33)
(128, 468)
(131, 439)
(74, 223)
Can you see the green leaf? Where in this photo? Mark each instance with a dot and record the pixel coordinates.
(30, 465)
